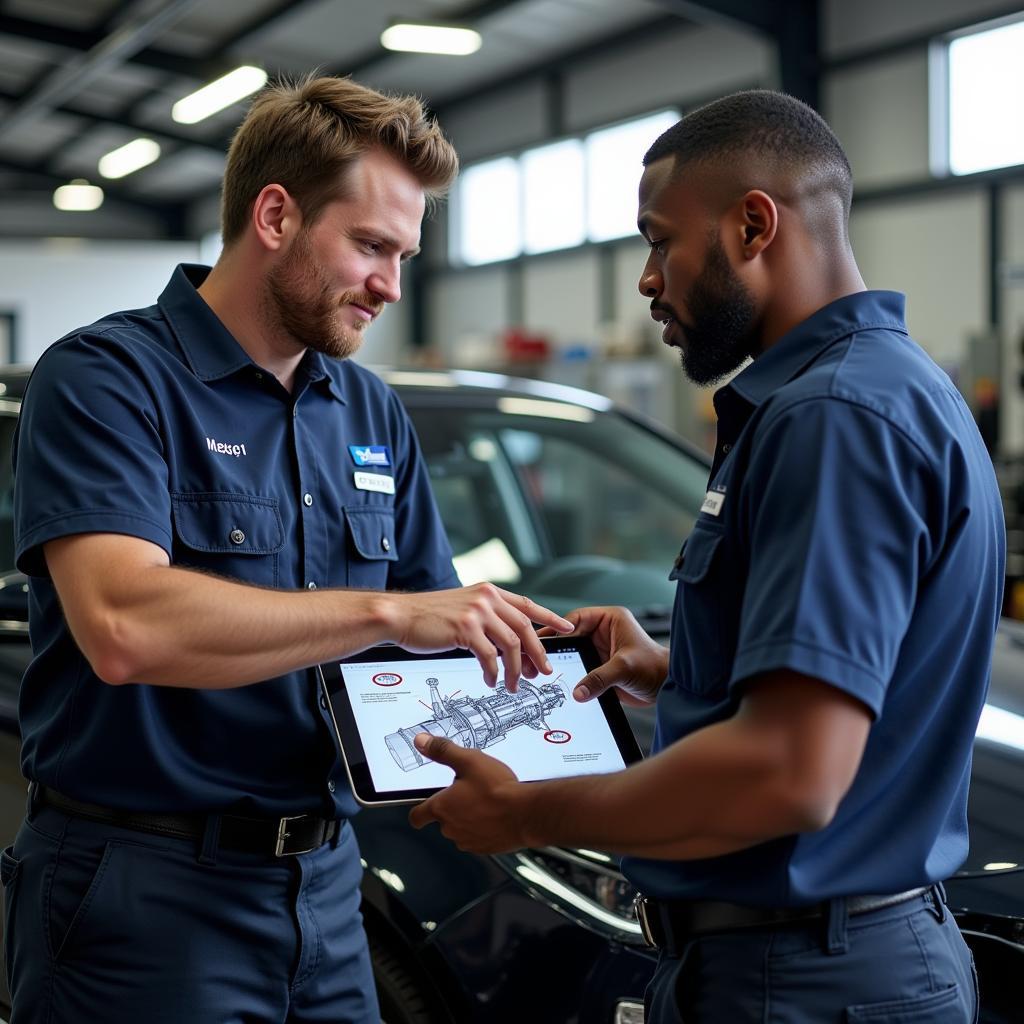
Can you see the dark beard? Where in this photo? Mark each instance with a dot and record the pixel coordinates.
(722, 315)
(300, 301)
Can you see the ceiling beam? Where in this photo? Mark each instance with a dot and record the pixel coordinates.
(123, 121)
(170, 213)
(793, 25)
(618, 40)
(749, 14)
(203, 68)
(84, 41)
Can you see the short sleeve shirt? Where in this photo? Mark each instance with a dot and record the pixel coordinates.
(155, 423)
(852, 532)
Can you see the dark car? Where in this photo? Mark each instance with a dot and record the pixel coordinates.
(556, 493)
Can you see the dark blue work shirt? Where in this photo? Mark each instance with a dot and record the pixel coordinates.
(853, 532)
(155, 423)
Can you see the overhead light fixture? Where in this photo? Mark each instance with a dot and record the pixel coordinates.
(227, 89)
(78, 195)
(130, 157)
(413, 37)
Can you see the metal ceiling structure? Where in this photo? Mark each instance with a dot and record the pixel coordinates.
(79, 78)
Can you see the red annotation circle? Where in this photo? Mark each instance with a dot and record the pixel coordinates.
(557, 736)
(387, 679)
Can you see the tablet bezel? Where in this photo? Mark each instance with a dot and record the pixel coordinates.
(353, 756)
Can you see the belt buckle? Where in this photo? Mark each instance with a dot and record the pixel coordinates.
(283, 834)
(640, 910)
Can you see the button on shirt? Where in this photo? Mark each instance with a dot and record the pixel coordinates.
(155, 423)
(853, 532)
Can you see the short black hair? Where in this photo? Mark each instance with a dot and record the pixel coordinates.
(759, 123)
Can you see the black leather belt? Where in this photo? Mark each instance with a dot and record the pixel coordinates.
(273, 837)
(669, 925)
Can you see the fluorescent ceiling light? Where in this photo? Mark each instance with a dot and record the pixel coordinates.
(412, 38)
(228, 89)
(79, 195)
(136, 154)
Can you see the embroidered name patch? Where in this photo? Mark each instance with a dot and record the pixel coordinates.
(375, 482)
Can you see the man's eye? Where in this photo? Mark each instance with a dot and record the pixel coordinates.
(657, 245)
(371, 246)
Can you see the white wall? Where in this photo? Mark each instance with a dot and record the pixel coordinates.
(935, 248)
(880, 113)
(896, 244)
(681, 67)
(466, 313)
(57, 285)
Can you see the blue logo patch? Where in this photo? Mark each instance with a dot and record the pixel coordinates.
(370, 454)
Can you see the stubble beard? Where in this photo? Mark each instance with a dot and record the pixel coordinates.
(302, 304)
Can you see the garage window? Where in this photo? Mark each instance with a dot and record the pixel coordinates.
(485, 216)
(614, 166)
(977, 87)
(555, 196)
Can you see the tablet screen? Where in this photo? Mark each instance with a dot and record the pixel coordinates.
(383, 699)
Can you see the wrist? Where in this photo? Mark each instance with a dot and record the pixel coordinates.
(384, 617)
(661, 667)
(524, 812)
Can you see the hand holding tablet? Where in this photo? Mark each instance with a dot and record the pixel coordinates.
(384, 697)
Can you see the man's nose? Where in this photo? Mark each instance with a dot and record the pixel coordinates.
(386, 283)
(649, 284)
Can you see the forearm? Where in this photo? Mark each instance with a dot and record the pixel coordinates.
(176, 627)
(709, 794)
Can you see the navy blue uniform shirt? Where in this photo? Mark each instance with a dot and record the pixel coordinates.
(155, 423)
(852, 531)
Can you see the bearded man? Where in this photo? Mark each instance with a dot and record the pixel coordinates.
(829, 662)
(210, 500)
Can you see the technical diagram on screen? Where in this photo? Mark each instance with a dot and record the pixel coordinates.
(478, 722)
(381, 699)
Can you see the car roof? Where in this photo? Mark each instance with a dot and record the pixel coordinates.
(433, 385)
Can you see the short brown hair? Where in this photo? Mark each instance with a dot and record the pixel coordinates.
(303, 136)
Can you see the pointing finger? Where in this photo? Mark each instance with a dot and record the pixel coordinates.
(442, 750)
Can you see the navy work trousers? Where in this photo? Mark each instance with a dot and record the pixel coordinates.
(906, 964)
(109, 924)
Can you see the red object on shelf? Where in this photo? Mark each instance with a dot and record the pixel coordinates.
(521, 346)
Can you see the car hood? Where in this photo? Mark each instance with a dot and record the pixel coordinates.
(996, 807)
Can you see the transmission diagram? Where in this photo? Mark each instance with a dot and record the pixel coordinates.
(478, 722)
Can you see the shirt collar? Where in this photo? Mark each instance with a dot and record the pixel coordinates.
(802, 345)
(210, 349)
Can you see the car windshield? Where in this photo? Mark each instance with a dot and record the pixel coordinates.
(572, 506)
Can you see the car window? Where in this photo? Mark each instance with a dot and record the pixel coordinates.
(570, 511)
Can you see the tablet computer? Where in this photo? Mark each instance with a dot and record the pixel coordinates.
(381, 698)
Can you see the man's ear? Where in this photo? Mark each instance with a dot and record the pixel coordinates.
(758, 220)
(276, 217)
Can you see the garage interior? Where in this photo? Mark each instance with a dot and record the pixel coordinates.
(530, 268)
(79, 80)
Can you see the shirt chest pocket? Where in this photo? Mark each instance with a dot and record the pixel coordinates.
(701, 655)
(371, 546)
(239, 536)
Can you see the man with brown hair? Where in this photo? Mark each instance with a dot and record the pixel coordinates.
(205, 502)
